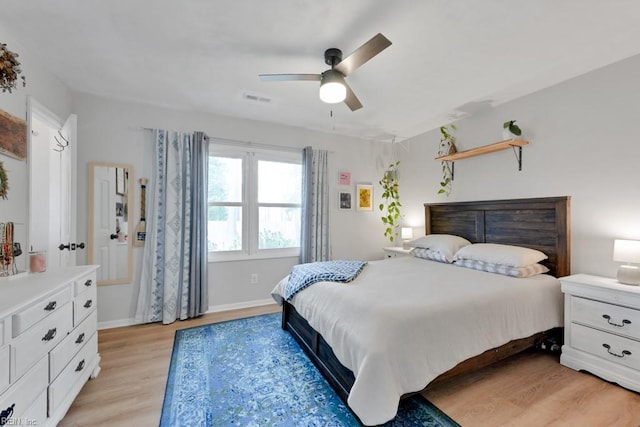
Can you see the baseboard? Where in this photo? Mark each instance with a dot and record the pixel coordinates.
(212, 309)
(236, 306)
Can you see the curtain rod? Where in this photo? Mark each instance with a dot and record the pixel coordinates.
(229, 141)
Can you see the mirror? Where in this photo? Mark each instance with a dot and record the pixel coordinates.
(110, 221)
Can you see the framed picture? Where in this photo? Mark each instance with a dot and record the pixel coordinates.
(120, 182)
(13, 136)
(345, 201)
(364, 197)
(344, 178)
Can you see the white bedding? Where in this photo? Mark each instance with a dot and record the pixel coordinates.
(404, 321)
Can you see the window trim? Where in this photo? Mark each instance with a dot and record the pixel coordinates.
(249, 205)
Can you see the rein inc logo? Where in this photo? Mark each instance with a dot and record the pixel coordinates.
(7, 420)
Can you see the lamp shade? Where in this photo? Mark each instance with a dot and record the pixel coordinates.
(626, 251)
(406, 233)
(332, 87)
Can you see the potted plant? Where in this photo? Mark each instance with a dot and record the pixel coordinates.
(390, 205)
(447, 147)
(9, 69)
(510, 130)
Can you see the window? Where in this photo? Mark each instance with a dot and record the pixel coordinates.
(254, 203)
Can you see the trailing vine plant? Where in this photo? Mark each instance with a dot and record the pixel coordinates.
(447, 146)
(390, 205)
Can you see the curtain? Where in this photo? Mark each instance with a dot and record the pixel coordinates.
(315, 244)
(174, 281)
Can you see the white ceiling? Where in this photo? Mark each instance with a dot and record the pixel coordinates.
(448, 59)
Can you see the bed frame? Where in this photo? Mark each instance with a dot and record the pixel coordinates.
(538, 223)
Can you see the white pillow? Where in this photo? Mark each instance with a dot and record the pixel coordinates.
(446, 244)
(514, 256)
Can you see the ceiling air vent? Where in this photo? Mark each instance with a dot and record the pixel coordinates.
(255, 98)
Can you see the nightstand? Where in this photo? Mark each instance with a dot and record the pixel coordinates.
(396, 251)
(602, 328)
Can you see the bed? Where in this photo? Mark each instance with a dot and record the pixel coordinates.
(398, 343)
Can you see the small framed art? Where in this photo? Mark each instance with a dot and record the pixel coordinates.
(344, 178)
(345, 201)
(364, 197)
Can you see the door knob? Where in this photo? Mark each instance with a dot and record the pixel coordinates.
(114, 236)
(62, 246)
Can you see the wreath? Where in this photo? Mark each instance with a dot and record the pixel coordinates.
(4, 182)
(9, 69)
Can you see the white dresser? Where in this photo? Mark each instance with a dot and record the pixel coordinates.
(48, 343)
(602, 328)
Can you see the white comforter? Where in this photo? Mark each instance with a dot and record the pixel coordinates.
(404, 321)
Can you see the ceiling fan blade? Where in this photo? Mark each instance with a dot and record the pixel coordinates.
(288, 77)
(374, 46)
(352, 100)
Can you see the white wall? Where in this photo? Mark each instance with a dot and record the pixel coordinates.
(47, 89)
(110, 131)
(584, 144)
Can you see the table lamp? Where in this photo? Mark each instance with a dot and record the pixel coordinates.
(406, 233)
(627, 251)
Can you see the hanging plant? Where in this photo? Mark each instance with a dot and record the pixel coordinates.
(447, 147)
(4, 182)
(9, 69)
(390, 205)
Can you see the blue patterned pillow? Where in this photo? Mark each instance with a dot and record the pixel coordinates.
(430, 254)
(507, 270)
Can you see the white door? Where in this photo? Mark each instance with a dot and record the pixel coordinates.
(52, 186)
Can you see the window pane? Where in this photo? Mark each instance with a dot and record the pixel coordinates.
(225, 228)
(279, 228)
(279, 182)
(225, 179)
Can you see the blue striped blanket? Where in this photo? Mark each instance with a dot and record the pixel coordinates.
(304, 275)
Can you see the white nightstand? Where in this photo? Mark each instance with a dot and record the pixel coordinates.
(396, 251)
(602, 328)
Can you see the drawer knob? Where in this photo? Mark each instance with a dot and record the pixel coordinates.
(51, 306)
(88, 303)
(88, 282)
(624, 352)
(618, 325)
(5, 415)
(50, 334)
(80, 366)
(80, 338)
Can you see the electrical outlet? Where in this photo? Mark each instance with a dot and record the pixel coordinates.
(254, 278)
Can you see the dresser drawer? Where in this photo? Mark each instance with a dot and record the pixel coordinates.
(608, 317)
(613, 348)
(84, 304)
(38, 311)
(39, 340)
(4, 368)
(76, 370)
(64, 352)
(88, 281)
(25, 392)
(36, 414)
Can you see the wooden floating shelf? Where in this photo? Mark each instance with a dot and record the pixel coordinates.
(485, 149)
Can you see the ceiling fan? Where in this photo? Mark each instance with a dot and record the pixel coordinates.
(333, 87)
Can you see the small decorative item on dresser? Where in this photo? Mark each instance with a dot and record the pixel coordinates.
(627, 251)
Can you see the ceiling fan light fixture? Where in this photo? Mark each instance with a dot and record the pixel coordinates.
(332, 87)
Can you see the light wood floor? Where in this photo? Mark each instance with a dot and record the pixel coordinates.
(531, 389)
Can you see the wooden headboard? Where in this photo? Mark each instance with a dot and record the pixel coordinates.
(538, 223)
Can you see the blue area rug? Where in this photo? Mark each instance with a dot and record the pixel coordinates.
(249, 372)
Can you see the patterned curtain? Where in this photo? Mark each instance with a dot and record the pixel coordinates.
(315, 244)
(174, 281)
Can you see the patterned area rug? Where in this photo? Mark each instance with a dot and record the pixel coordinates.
(249, 372)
